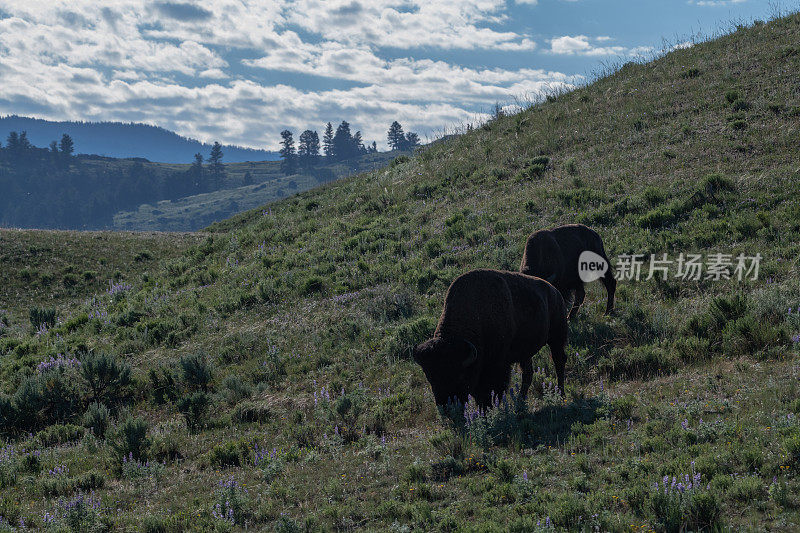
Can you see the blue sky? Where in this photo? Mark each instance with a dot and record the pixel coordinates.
(240, 71)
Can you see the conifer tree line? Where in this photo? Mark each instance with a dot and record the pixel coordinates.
(341, 145)
(53, 188)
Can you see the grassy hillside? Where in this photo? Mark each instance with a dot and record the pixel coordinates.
(59, 269)
(269, 184)
(269, 381)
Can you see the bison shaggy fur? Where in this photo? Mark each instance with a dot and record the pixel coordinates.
(491, 320)
(552, 254)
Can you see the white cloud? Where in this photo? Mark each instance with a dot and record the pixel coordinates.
(179, 65)
(581, 45)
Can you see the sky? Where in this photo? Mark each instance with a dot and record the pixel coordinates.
(241, 71)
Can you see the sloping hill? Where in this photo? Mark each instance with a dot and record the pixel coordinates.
(191, 213)
(121, 140)
(272, 387)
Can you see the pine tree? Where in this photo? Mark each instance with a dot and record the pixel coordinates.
(288, 153)
(24, 143)
(248, 178)
(358, 144)
(12, 142)
(197, 171)
(308, 148)
(66, 146)
(373, 148)
(396, 136)
(412, 140)
(343, 143)
(216, 167)
(327, 141)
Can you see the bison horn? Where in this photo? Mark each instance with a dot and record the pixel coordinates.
(473, 355)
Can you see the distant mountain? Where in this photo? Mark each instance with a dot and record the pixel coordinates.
(117, 139)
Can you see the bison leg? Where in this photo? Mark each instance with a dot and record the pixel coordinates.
(527, 377)
(611, 287)
(580, 294)
(559, 361)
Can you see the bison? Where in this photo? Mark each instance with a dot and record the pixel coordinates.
(491, 320)
(553, 255)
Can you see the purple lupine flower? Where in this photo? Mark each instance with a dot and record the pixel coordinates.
(118, 288)
(55, 363)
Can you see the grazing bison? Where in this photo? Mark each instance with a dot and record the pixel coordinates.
(491, 320)
(553, 255)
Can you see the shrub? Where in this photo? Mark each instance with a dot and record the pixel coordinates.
(401, 343)
(228, 454)
(131, 440)
(105, 376)
(579, 197)
(311, 285)
(59, 434)
(745, 489)
(162, 385)
(739, 124)
(40, 316)
(690, 73)
(8, 414)
(69, 281)
(399, 160)
(236, 389)
(248, 411)
(164, 449)
(637, 362)
(388, 306)
(46, 398)
(193, 408)
(571, 166)
(731, 96)
(740, 105)
(448, 443)
(197, 371)
(97, 418)
(653, 195)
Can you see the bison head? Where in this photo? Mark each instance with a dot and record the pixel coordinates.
(449, 365)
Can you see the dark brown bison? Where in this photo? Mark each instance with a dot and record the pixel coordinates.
(491, 320)
(553, 255)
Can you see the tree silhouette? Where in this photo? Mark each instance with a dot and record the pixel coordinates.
(308, 148)
(216, 167)
(412, 140)
(288, 153)
(358, 144)
(327, 141)
(197, 172)
(66, 146)
(396, 137)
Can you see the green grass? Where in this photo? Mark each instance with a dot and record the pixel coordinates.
(269, 364)
(61, 269)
